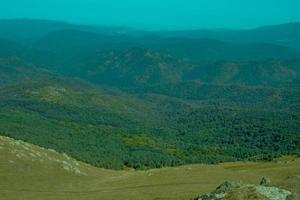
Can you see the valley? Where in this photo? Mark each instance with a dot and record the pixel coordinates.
(99, 112)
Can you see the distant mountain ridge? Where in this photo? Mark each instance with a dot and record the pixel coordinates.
(27, 29)
(88, 56)
(248, 73)
(283, 34)
(73, 46)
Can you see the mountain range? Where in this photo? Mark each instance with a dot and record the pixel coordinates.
(115, 97)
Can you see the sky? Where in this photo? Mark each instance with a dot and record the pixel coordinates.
(158, 14)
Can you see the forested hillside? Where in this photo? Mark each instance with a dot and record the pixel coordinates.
(143, 101)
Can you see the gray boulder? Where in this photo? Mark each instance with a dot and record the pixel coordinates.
(228, 186)
(232, 190)
(265, 181)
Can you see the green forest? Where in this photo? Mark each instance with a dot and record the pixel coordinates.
(149, 101)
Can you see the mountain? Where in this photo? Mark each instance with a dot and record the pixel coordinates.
(10, 48)
(22, 29)
(248, 73)
(124, 101)
(109, 128)
(14, 69)
(25, 30)
(28, 29)
(132, 67)
(140, 67)
(211, 50)
(66, 47)
(91, 56)
(91, 124)
(284, 34)
(74, 44)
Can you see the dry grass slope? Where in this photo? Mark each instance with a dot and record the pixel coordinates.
(29, 172)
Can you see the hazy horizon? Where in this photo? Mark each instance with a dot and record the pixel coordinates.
(156, 15)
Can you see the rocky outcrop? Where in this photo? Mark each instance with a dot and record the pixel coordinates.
(265, 181)
(231, 190)
(294, 196)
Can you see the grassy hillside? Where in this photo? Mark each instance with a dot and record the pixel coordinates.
(30, 172)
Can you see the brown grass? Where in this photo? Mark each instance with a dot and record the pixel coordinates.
(44, 178)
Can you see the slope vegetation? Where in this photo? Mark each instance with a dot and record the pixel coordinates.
(29, 172)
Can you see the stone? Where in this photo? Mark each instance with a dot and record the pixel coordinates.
(228, 185)
(265, 181)
(273, 193)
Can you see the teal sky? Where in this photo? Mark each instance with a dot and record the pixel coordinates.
(158, 14)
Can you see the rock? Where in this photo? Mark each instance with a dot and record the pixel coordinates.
(231, 190)
(265, 181)
(273, 193)
(294, 196)
(221, 191)
(228, 185)
(245, 194)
